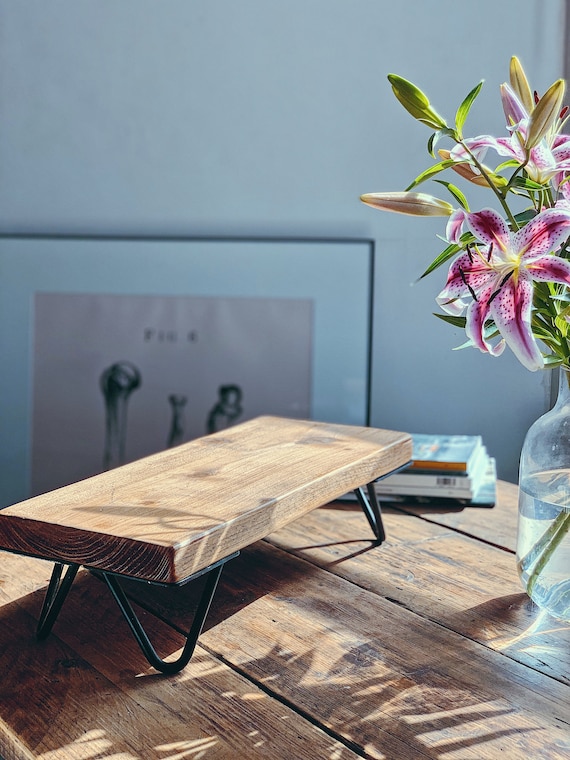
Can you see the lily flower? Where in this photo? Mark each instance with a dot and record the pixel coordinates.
(494, 281)
(535, 140)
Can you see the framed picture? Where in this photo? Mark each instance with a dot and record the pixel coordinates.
(114, 348)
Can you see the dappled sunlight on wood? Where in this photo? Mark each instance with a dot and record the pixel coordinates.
(195, 749)
(545, 634)
(108, 704)
(318, 645)
(514, 625)
(428, 713)
(93, 745)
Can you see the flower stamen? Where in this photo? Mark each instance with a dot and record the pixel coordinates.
(467, 285)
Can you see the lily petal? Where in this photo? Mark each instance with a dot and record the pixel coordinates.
(504, 146)
(455, 226)
(467, 275)
(477, 313)
(489, 227)
(513, 108)
(550, 269)
(511, 311)
(542, 234)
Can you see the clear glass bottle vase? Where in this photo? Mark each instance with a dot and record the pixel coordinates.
(543, 540)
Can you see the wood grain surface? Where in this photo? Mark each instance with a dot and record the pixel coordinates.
(319, 645)
(168, 516)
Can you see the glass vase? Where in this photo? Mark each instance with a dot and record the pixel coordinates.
(543, 539)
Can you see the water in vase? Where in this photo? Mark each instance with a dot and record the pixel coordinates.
(543, 546)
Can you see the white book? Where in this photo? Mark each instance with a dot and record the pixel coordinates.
(484, 496)
(404, 479)
(408, 482)
(442, 491)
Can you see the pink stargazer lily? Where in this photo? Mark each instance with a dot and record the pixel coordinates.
(496, 282)
(548, 160)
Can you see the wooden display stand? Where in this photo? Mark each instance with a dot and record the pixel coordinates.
(183, 513)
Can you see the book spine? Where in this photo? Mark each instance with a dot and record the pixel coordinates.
(461, 482)
(424, 464)
(446, 493)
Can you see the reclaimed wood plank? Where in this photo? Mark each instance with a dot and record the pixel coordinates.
(459, 582)
(172, 514)
(57, 704)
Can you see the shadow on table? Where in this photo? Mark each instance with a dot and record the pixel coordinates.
(56, 703)
(514, 625)
(343, 662)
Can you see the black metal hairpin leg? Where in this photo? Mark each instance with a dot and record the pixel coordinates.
(172, 666)
(371, 509)
(54, 598)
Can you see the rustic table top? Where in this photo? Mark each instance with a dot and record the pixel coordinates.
(319, 645)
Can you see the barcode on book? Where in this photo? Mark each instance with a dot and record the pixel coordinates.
(446, 481)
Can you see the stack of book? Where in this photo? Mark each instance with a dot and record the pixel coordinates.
(452, 467)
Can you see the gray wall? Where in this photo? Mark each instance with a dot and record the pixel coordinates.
(264, 117)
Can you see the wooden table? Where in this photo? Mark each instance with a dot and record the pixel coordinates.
(321, 645)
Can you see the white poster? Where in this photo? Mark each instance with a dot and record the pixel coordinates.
(118, 377)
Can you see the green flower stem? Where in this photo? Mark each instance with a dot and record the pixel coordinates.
(498, 194)
(544, 548)
(514, 175)
(564, 248)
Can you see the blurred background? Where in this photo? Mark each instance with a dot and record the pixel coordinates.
(271, 118)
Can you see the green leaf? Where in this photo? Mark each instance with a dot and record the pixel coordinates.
(552, 361)
(525, 216)
(444, 256)
(465, 107)
(452, 249)
(525, 183)
(430, 172)
(490, 330)
(562, 325)
(415, 102)
(456, 192)
(510, 164)
(436, 137)
(468, 344)
(451, 320)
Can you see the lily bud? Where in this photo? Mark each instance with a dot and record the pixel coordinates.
(471, 174)
(413, 204)
(520, 85)
(545, 114)
(416, 102)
